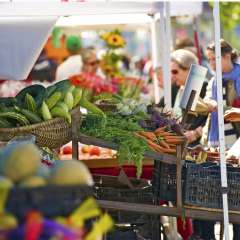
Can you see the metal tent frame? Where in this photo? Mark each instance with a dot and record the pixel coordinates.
(47, 8)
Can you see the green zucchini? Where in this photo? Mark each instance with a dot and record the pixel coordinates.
(30, 103)
(31, 116)
(77, 95)
(8, 101)
(37, 91)
(53, 99)
(50, 90)
(4, 123)
(69, 100)
(45, 111)
(20, 118)
(91, 107)
(3, 107)
(63, 85)
(59, 112)
(63, 106)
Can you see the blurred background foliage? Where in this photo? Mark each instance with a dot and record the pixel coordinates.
(230, 21)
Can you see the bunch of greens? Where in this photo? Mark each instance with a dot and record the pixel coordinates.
(118, 130)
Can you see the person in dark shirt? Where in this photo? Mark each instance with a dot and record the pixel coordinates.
(44, 69)
(174, 94)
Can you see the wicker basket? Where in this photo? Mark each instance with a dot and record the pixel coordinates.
(53, 133)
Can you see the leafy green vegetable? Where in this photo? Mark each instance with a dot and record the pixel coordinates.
(118, 130)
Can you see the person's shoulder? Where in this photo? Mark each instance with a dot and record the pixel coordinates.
(237, 66)
(73, 60)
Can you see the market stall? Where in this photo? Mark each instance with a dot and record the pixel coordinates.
(163, 132)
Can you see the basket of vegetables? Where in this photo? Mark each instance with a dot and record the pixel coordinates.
(31, 184)
(43, 112)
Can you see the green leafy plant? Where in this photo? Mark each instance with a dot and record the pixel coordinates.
(229, 14)
(111, 59)
(118, 130)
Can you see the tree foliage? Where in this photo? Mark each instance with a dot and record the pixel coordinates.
(229, 14)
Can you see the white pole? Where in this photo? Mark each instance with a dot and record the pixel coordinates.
(220, 117)
(155, 55)
(166, 45)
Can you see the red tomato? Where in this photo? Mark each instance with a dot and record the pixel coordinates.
(95, 151)
(67, 150)
(85, 149)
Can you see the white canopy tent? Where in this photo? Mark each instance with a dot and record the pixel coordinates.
(86, 14)
(46, 12)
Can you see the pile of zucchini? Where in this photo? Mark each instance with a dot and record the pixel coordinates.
(35, 104)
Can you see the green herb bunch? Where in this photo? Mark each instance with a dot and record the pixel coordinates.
(119, 130)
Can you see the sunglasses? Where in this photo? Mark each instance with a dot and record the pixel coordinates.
(174, 71)
(93, 63)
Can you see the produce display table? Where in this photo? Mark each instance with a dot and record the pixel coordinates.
(180, 209)
(195, 213)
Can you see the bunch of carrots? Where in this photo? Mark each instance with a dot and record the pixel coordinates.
(161, 140)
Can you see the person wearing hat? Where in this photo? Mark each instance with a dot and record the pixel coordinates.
(73, 64)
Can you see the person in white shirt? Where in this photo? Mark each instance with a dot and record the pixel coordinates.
(73, 64)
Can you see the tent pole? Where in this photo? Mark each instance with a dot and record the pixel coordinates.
(196, 39)
(155, 55)
(166, 45)
(217, 36)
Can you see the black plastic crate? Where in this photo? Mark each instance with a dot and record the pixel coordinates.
(144, 223)
(50, 200)
(203, 186)
(164, 181)
(136, 195)
(121, 235)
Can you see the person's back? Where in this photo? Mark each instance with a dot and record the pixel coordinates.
(73, 64)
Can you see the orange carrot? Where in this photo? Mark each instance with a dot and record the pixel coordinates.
(162, 143)
(155, 146)
(149, 135)
(161, 129)
(138, 135)
(174, 141)
(163, 134)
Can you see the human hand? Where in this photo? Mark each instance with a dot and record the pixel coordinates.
(212, 105)
(199, 131)
(193, 135)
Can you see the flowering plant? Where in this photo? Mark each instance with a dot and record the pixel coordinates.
(111, 60)
(130, 87)
(93, 82)
(114, 39)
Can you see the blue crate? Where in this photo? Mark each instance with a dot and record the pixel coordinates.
(203, 186)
